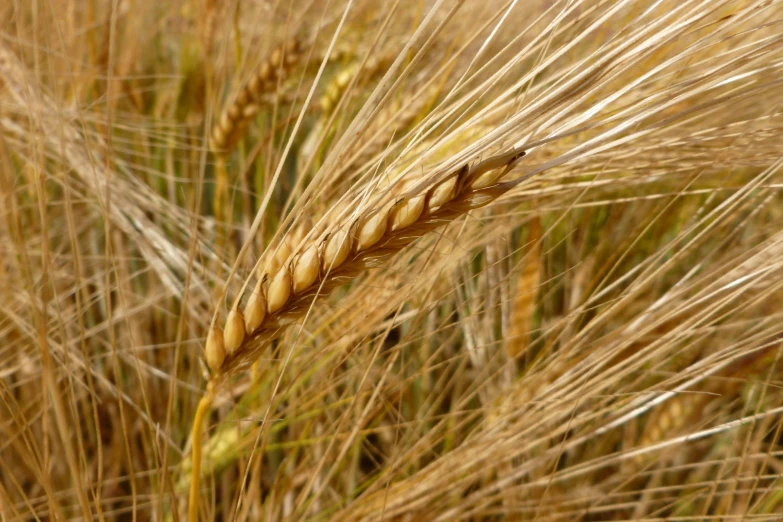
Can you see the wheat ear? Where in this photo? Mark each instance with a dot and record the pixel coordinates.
(283, 294)
(234, 118)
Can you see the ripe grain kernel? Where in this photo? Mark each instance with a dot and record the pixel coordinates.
(279, 290)
(487, 179)
(234, 333)
(298, 233)
(336, 251)
(225, 120)
(255, 309)
(306, 269)
(442, 194)
(371, 230)
(264, 75)
(665, 422)
(214, 350)
(407, 213)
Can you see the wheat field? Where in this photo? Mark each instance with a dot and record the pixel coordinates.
(415, 260)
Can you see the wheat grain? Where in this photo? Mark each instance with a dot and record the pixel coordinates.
(234, 118)
(404, 216)
(283, 250)
(255, 309)
(279, 290)
(336, 250)
(306, 269)
(234, 332)
(351, 248)
(214, 349)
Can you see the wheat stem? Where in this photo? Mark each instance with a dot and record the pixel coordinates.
(204, 406)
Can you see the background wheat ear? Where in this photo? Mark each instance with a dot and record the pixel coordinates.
(246, 103)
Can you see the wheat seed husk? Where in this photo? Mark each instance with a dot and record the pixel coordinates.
(407, 213)
(279, 290)
(234, 332)
(306, 269)
(255, 309)
(336, 251)
(371, 230)
(442, 194)
(214, 349)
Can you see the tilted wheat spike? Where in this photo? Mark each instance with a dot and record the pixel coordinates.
(234, 118)
(284, 292)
